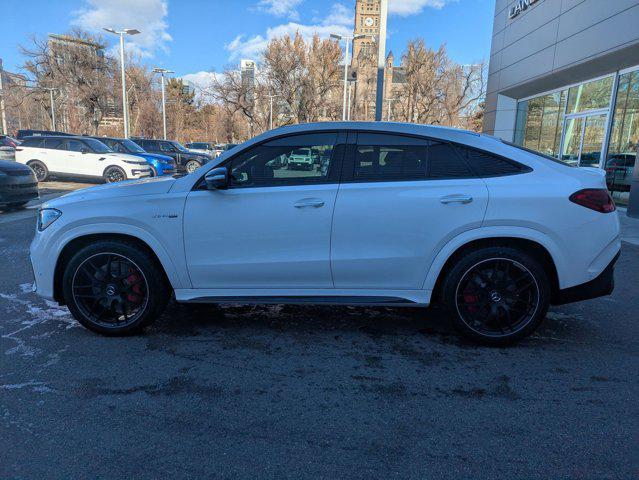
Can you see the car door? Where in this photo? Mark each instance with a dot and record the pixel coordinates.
(401, 199)
(271, 228)
(78, 158)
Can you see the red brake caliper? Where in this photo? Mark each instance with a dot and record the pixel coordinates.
(136, 294)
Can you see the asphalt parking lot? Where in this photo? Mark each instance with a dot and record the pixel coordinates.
(313, 392)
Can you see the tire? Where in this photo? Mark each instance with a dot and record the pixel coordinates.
(154, 172)
(136, 283)
(39, 169)
(114, 175)
(496, 295)
(192, 165)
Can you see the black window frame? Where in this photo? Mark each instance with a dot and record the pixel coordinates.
(523, 169)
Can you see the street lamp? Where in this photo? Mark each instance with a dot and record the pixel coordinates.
(162, 72)
(270, 121)
(121, 33)
(347, 40)
(51, 90)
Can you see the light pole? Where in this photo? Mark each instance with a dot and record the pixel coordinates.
(381, 59)
(390, 104)
(162, 72)
(347, 41)
(121, 33)
(50, 90)
(270, 117)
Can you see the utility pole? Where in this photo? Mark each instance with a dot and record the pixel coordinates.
(50, 90)
(347, 41)
(348, 116)
(125, 110)
(381, 60)
(3, 112)
(390, 104)
(162, 72)
(270, 117)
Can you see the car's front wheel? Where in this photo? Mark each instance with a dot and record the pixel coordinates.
(114, 287)
(40, 170)
(114, 174)
(497, 295)
(192, 166)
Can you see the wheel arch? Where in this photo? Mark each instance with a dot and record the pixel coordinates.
(444, 261)
(81, 241)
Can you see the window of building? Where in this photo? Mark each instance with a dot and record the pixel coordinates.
(590, 96)
(624, 139)
(539, 123)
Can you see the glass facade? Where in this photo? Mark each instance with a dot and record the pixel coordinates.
(571, 125)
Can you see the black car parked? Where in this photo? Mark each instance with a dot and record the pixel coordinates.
(18, 184)
(186, 160)
(22, 134)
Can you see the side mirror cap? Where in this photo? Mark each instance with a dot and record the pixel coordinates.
(217, 179)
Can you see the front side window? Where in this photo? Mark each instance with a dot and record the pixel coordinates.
(296, 160)
(75, 146)
(166, 147)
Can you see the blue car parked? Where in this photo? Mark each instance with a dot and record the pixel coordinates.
(160, 164)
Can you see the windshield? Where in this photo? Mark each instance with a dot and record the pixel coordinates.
(97, 146)
(132, 146)
(302, 152)
(179, 146)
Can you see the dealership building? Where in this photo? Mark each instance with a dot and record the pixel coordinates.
(564, 80)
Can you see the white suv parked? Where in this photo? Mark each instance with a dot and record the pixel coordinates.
(79, 157)
(402, 215)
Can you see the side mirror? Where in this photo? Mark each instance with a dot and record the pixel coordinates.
(85, 150)
(217, 179)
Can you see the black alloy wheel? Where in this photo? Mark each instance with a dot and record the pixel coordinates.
(114, 174)
(192, 166)
(110, 290)
(497, 295)
(39, 170)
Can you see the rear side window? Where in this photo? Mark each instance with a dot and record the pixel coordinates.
(444, 163)
(31, 142)
(53, 143)
(484, 164)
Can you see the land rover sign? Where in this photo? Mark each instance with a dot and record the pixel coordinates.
(519, 7)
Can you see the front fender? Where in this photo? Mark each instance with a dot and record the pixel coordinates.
(483, 233)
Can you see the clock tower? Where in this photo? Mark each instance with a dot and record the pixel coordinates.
(366, 23)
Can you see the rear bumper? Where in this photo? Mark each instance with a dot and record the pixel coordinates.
(600, 286)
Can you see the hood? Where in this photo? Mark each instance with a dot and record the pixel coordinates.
(154, 156)
(7, 166)
(146, 186)
(124, 156)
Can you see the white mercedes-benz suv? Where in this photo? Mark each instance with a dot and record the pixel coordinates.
(401, 215)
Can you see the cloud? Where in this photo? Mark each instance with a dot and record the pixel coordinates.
(404, 8)
(280, 8)
(202, 80)
(148, 16)
(339, 20)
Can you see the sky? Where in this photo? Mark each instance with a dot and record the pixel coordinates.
(196, 37)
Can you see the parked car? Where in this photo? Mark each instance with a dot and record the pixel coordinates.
(18, 185)
(22, 134)
(301, 159)
(160, 164)
(185, 160)
(78, 157)
(423, 215)
(201, 147)
(7, 148)
(619, 171)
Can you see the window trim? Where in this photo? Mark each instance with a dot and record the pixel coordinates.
(523, 168)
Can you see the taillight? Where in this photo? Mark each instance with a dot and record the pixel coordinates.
(597, 199)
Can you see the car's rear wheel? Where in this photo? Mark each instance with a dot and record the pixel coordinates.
(114, 174)
(192, 166)
(39, 169)
(114, 288)
(497, 295)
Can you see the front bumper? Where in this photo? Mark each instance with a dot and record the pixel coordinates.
(17, 189)
(600, 286)
(141, 173)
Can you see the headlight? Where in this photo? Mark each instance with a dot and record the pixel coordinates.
(46, 217)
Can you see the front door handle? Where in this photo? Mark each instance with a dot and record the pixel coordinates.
(309, 202)
(463, 199)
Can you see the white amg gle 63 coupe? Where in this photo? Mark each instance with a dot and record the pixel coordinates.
(396, 215)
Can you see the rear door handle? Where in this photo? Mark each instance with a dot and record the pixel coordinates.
(309, 202)
(463, 199)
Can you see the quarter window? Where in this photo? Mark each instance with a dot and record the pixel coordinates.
(485, 164)
(296, 160)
